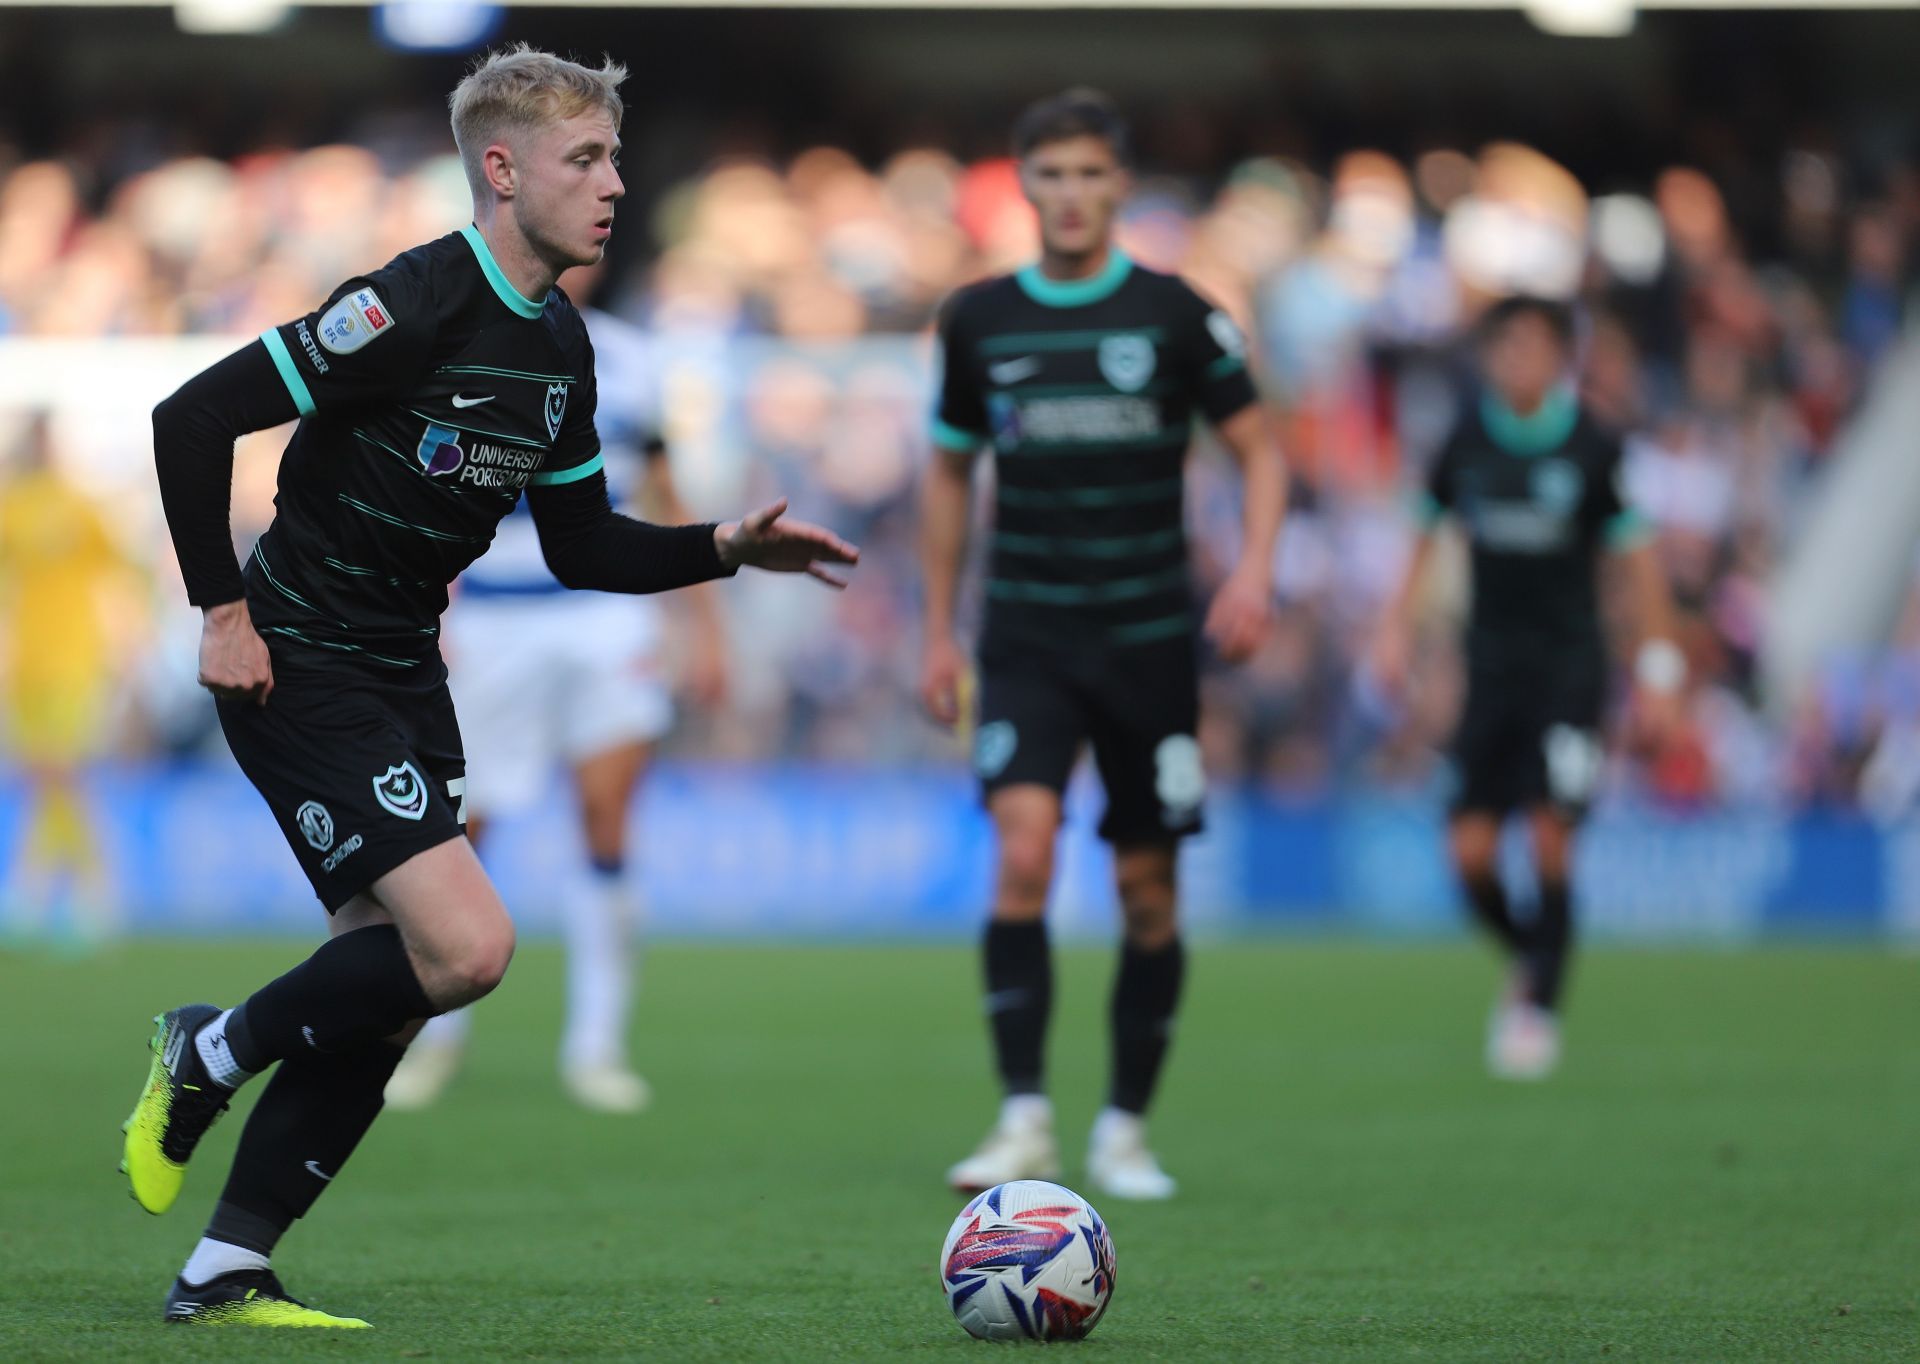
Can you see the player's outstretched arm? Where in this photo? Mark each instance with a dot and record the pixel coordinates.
(193, 435)
(1242, 612)
(764, 540)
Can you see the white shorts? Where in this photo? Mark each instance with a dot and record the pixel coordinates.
(544, 682)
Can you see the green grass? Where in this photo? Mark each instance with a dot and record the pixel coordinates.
(1728, 1167)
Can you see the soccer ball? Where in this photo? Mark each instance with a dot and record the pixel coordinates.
(1028, 1260)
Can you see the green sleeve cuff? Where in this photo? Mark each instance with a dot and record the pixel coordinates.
(952, 438)
(1628, 530)
(296, 386)
(1427, 511)
(573, 475)
(1225, 365)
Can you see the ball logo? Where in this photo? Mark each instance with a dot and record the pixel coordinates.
(401, 792)
(316, 825)
(439, 451)
(1127, 361)
(556, 409)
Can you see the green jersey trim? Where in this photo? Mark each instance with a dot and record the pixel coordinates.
(1427, 511)
(497, 277)
(1166, 627)
(1093, 546)
(1546, 428)
(1115, 495)
(282, 361)
(1009, 343)
(1076, 293)
(1086, 594)
(1225, 365)
(573, 475)
(953, 439)
(1628, 530)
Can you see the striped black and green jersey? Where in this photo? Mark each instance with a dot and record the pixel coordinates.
(1086, 391)
(430, 394)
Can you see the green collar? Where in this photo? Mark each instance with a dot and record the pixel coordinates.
(497, 277)
(1077, 293)
(1545, 429)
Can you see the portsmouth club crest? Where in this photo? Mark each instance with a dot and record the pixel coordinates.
(401, 792)
(1127, 361)
(556, 409)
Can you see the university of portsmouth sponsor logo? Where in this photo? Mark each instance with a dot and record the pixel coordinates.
(401, 792)
(1087, 419)
(305, 336)
(342, 853)
(439, 451)
(316, 825)
(1126, 361)
(556, 409)
(355, 319)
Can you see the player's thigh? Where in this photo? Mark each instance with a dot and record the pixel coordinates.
(1146, 708)
(451, 918)
(504, 681)
(1031, 724)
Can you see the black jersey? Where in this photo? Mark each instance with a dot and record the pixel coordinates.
(430, 394)
(1086, 391)
(1538, 497)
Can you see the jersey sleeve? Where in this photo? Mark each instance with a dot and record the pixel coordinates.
(576, 452)
(960, 409)
(371, 339)
(1217, 355)
(1623, 525)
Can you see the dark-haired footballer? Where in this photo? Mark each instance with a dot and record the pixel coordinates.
(1535, 484)
(1085, 375)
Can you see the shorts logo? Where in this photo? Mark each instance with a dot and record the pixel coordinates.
(1179, 780)
(354, 320)
(401, 792)
(316, 825)
(993, 748)
(556, 409)
(439, 451)
(1127, 361)
(1557, 487)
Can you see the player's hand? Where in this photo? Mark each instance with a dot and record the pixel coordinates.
(763, 540)
(942, 665)
(1241, 616)
(234, 663)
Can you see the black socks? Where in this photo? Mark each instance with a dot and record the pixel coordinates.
(313, 1113)
(1549, 944)
(354, 990)
(1488, 896)
(1146, 992)
(1019, 972)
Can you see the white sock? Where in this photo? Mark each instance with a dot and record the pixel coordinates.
(446, 1030)
(211, 1259)
(1117, 1127)
(217, 1056)
(1026, 1110)
(598, 922)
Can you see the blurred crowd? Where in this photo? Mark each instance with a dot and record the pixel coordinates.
(786, 307)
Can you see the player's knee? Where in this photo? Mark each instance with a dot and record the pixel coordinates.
(1026, 871)
(479, 966)
(1147, 906)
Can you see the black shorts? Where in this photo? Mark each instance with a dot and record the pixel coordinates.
(362, 771)
(1138, 707)
(1529, 735)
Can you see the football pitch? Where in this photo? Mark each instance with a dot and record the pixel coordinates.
(1727, 1168)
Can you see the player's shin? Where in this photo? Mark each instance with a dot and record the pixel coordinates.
(1552, 943)
(1487, 894)
(309, 1119)
(1019, 980)
(1146, 994)
(354, 990)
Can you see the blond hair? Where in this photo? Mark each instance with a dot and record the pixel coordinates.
(521, 89)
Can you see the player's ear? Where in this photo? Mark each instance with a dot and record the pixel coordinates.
(497, 164)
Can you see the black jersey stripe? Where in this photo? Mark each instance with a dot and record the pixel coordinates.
(1146, 631)
(1086, 594)
(1091, 546)
(508, 373)
(478, 431)
(1008, 342)
(1113, 495)
(393, 520)
(291, 633)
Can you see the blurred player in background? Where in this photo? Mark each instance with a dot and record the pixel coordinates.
(431, 394)
(547, 678)
(1535, 484)
(59, 568)
(1084, 373)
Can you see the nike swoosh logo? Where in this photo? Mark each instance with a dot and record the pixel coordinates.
(1013, 371)
(313, 1168)
(462, 400)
